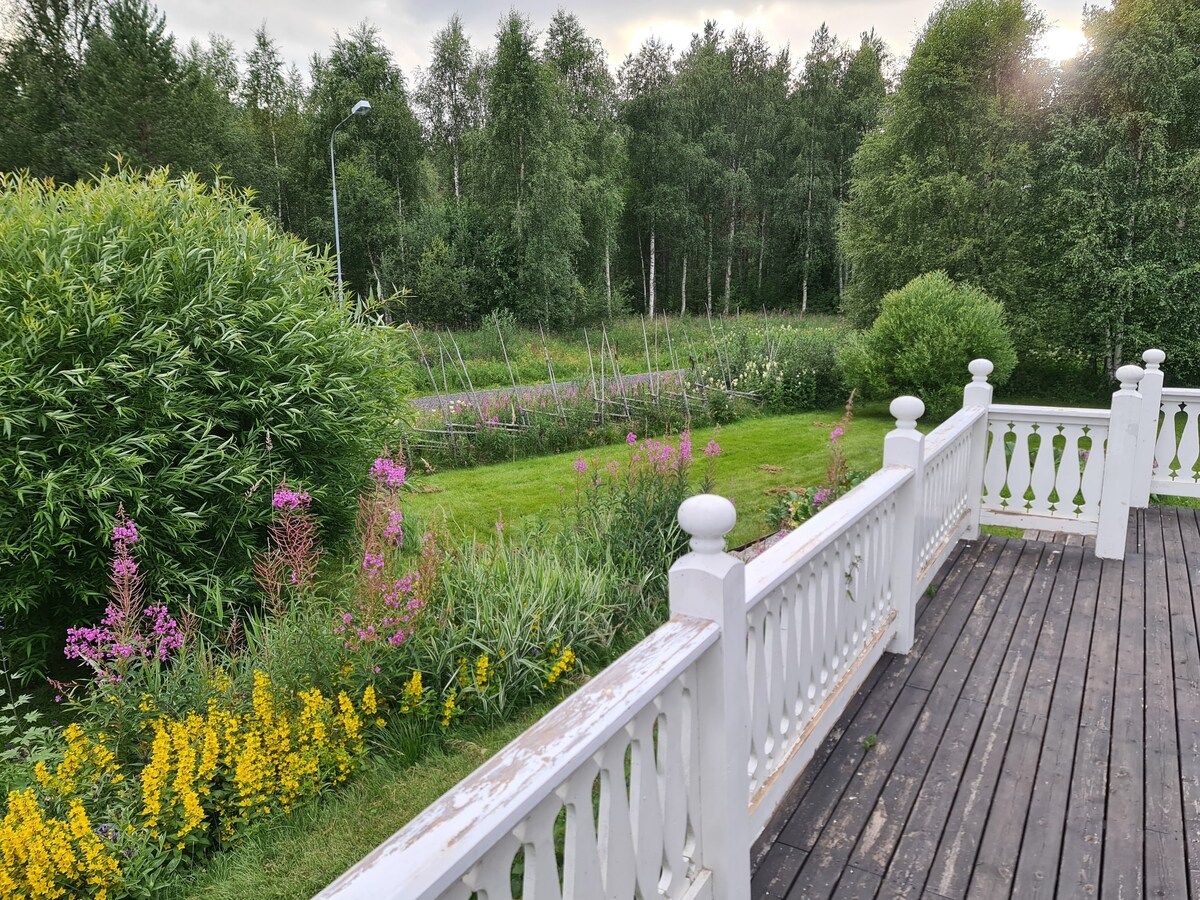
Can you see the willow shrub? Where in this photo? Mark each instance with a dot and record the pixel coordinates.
(164, 346)
(926, 334)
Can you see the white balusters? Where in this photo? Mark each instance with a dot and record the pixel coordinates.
(953, 476)
(819, 612)
(1177, 449)
(1165, 466)
(1060, 479)
(1189, 443)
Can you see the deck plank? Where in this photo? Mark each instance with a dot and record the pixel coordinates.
(1183, 577)
(1165, 857)
(1123, 872)
(1041, 638)
(1037, 865)
(1042, 741)
(958, 854)
(923, 832)
(1083, 834)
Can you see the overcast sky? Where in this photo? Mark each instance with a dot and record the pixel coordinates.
(303, 26)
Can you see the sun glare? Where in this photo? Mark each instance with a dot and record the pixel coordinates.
(1060, 44)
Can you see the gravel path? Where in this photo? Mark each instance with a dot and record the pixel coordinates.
(431, 401)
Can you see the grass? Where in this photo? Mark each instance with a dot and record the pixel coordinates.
(757, 456)
(297, 855)
(484, 357)
(1002, 531)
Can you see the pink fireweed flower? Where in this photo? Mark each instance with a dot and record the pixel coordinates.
(580, 466)
(712, 449)
(685, 446)
(125, 533)
(388, 474)
(835, 434)
(393, 532)
(286, 498)
(631, 439)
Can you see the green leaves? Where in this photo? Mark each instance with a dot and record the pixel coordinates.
(926, 334)
(154, 332)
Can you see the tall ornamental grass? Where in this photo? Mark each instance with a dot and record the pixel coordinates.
(163, 345)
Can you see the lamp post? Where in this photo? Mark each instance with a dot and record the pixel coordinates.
(361, 107)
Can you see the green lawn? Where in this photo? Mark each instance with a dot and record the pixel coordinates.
(472, 500)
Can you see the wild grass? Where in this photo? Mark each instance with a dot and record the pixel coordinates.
(691, 342)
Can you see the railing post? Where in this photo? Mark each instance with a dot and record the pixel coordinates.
(1151, 391)
(708, 583)
(977, 394)
(905, 446)
(1119, 457)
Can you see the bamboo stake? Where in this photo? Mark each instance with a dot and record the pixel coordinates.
(687, 410)
(649, 367)
(553, 385)
(592, 371)
(617, 373)
(516, 400)
(433, 381)
(470, 387)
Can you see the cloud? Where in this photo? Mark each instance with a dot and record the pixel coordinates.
(304, 27)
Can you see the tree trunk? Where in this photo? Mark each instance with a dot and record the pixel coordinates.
(278, 181)
(457, 191)
(762, 247)
(807, 232)
(683, 288)
(709, 273)
(651, 300)
(607, 276)
(520, 169)
(841, 257)
(400, 204)
(642, 260)
(729, 254)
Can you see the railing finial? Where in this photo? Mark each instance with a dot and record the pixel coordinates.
(906, 411)
(707, 518)
(1130, 377)
(980, 369)
(1153, 359)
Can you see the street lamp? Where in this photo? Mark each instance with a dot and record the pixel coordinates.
(361, 107)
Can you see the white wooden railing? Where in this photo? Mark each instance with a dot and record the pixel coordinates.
(654, 778)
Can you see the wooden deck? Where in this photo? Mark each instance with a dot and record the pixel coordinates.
(1042, 740)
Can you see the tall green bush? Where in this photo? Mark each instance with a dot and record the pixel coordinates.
(926, 334)
(164, 346)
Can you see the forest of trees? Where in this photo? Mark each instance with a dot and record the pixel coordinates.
(533, 177)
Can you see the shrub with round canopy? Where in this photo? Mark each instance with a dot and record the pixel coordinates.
(926, 334)
(165, 346)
